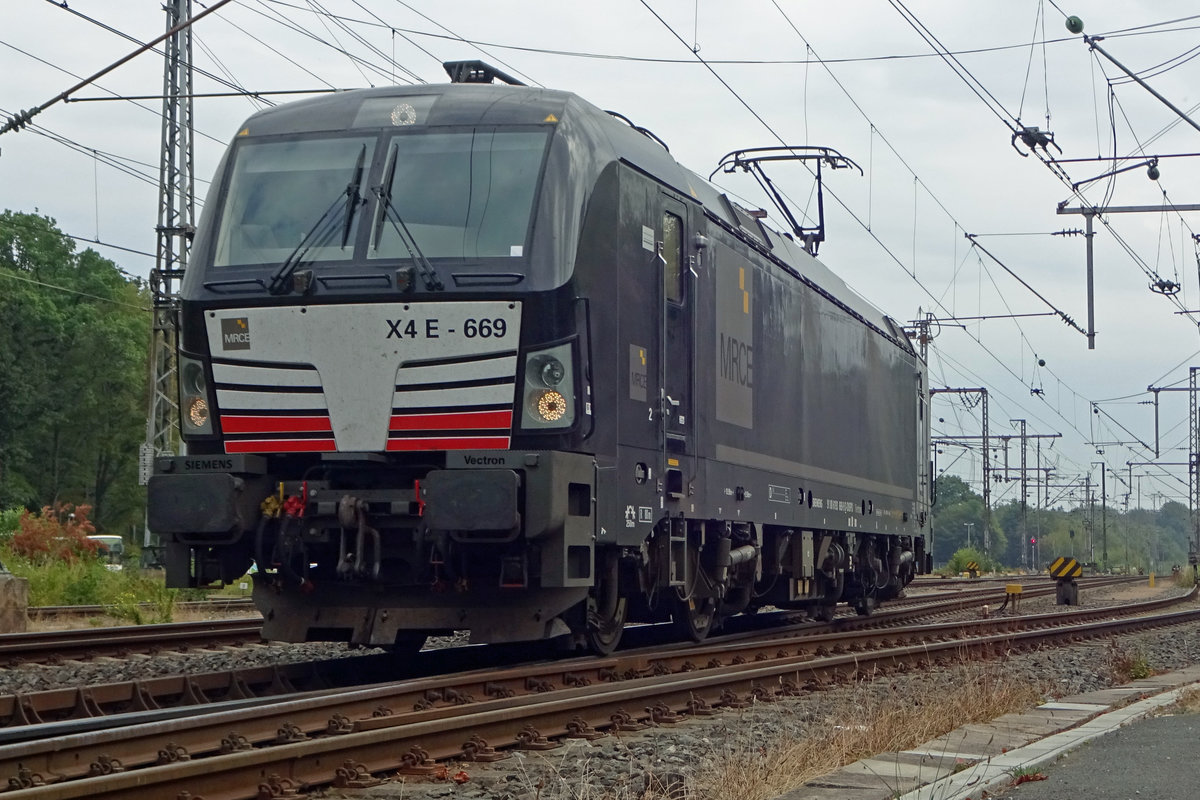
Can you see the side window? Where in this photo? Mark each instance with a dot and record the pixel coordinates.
(672, 253)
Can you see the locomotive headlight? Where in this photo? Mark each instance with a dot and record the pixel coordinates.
(552, 371)
(549, 398)
(193, 397)
(197, 412)
(193, 378)
(550, 405)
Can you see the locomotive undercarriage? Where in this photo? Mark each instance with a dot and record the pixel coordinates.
(699, 573)
(384, 552)
(386, 557)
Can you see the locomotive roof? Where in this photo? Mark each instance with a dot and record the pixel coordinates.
(502, 104)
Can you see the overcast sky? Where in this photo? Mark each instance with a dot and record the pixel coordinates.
(939, 161)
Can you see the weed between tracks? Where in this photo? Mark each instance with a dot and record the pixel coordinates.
(1125, 665)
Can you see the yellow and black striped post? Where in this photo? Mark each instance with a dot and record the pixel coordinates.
(1065, 570)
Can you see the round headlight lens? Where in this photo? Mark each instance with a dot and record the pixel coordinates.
(552, 372)
(197, 412)
(551, 406)
(193, 378)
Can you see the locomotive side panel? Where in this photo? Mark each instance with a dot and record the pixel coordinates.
(808, 400)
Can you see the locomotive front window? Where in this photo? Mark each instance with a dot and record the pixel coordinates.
(461, 195)
(285, 195)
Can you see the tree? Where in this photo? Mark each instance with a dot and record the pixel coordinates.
(958, 515)
(951, 490)
(73, 353)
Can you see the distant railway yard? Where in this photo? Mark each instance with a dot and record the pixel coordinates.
(210, 711)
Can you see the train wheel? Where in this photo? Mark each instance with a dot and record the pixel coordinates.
(603, 635)
(694, 618)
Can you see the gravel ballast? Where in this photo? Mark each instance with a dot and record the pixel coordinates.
(659, 761)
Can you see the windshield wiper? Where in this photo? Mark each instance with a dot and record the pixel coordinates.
(387, 209)
(323, 230)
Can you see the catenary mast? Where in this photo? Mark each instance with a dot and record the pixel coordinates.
(176, 218)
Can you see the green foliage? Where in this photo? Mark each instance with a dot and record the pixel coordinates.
(132, 594)
(231, 589)
(85, 589)
(1126, 665)
(127, 594)
(127, 606)
(1140, 667)
(61, 583)
(146, 602)
(953, 490)
(10, 520)
(73, 368)
(1135, 540)
(1026, 775)
(959, 518)
(958, 562)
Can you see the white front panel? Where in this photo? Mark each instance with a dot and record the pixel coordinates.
(358, 351)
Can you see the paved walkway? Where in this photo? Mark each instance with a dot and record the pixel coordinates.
(974, 759)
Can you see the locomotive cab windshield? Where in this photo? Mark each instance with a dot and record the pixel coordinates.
(417, 196)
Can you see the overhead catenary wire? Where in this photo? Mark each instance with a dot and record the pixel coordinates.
(274, 16)
(22, 118)
(115, 96)
(481, 44)
(940, 204)
(403, 35)
(481, 48)
(1065, 318)
(97, 241)
(829, 191)
(894, 258)
(1008, 119)
(226, 81)
(115, 162)
(1058, 171)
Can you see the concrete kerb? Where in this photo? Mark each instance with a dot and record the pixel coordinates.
(975, 759)
(996, 772)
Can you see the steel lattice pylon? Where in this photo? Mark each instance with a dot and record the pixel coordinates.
(1193, 466)
(176, 215)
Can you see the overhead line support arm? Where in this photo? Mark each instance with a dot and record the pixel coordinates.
(22, 118)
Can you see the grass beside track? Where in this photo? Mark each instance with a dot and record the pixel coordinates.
(860, 723)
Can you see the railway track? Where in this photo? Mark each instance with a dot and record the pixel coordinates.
(176, 691)
(89, 643)
(342, 738)
(223, 606)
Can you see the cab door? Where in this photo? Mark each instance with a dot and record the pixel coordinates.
(676, 341)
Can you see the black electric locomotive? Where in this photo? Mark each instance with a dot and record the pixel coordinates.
(484, 357)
